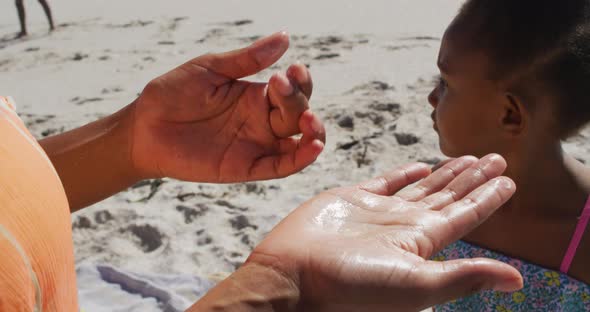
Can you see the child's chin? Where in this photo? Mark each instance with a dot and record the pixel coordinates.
(458, 153)
(448, 151)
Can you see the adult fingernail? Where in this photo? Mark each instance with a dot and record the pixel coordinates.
(316, 126)
(292, 69)
(272, 49)
(290, 72)
(506, 183)
(284, 85)
(295, 73)
(508, 285)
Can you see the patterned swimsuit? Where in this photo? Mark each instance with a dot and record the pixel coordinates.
(544, 289)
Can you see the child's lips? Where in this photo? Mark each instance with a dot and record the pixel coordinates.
(434, 121)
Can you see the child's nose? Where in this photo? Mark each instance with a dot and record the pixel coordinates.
(433, 98)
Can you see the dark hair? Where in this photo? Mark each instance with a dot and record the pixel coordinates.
(536, 45)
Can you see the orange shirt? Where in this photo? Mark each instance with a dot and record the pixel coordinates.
(36, 249)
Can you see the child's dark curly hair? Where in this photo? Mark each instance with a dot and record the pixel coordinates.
(535, 47)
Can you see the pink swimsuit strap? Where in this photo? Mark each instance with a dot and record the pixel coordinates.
(576, 238)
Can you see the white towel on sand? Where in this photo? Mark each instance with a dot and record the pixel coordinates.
(102, 288)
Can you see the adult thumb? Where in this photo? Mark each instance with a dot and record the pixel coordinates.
(249, 60)
(454, 279)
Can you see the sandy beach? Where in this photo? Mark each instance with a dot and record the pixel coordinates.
(373, 64)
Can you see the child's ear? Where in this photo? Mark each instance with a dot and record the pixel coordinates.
(513, 114)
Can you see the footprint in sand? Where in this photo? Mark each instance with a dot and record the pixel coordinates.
(202, 241)
(431, 161)
(379, 116)
(102, 217)
(82, 222)
(175, 22)
(346, 122)
(191, 213)
(203, 238)
(347, 145)
(393, 108)
(39, 126)
(326, 47)
(421, 43)
(166, 42)
(327, 56)
(323, 42)
(225, 29)
(52, 131)
(361, 157)
(406, 139)
(79, 56)
(66, 25)
(406, 46)
(185, 196)
(421, 38)
(249, 40)
(32, 120)
(111, 90)
(81, 101)
(239, 22)
(252, 188)
(255, 188)
(132, 24)
(147, 237)
(215, 33)
(359, 149)
(374, 87)
(380, 113)
(246, 241)
(231, 208)
(241, 222)
(236, 254)
(145, 190)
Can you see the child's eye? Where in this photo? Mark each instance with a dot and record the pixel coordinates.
(442, 82)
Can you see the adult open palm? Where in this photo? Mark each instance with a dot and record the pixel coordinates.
(200, 123)
(366, 247)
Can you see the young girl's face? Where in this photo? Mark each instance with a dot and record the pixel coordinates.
(467, 105)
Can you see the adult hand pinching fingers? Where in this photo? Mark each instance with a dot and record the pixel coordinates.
(289, 96)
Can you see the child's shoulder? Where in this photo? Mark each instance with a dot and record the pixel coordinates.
(581, 172)
(579, 268)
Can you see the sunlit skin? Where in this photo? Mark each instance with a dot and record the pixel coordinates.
(201, 123)
(365, 247)
(237, 130)
(353, 245)
(359, 248)
(475, 115)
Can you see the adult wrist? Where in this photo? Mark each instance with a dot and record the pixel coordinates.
(94, 161)
(119, 138)
(259, 285)
(128, 117)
